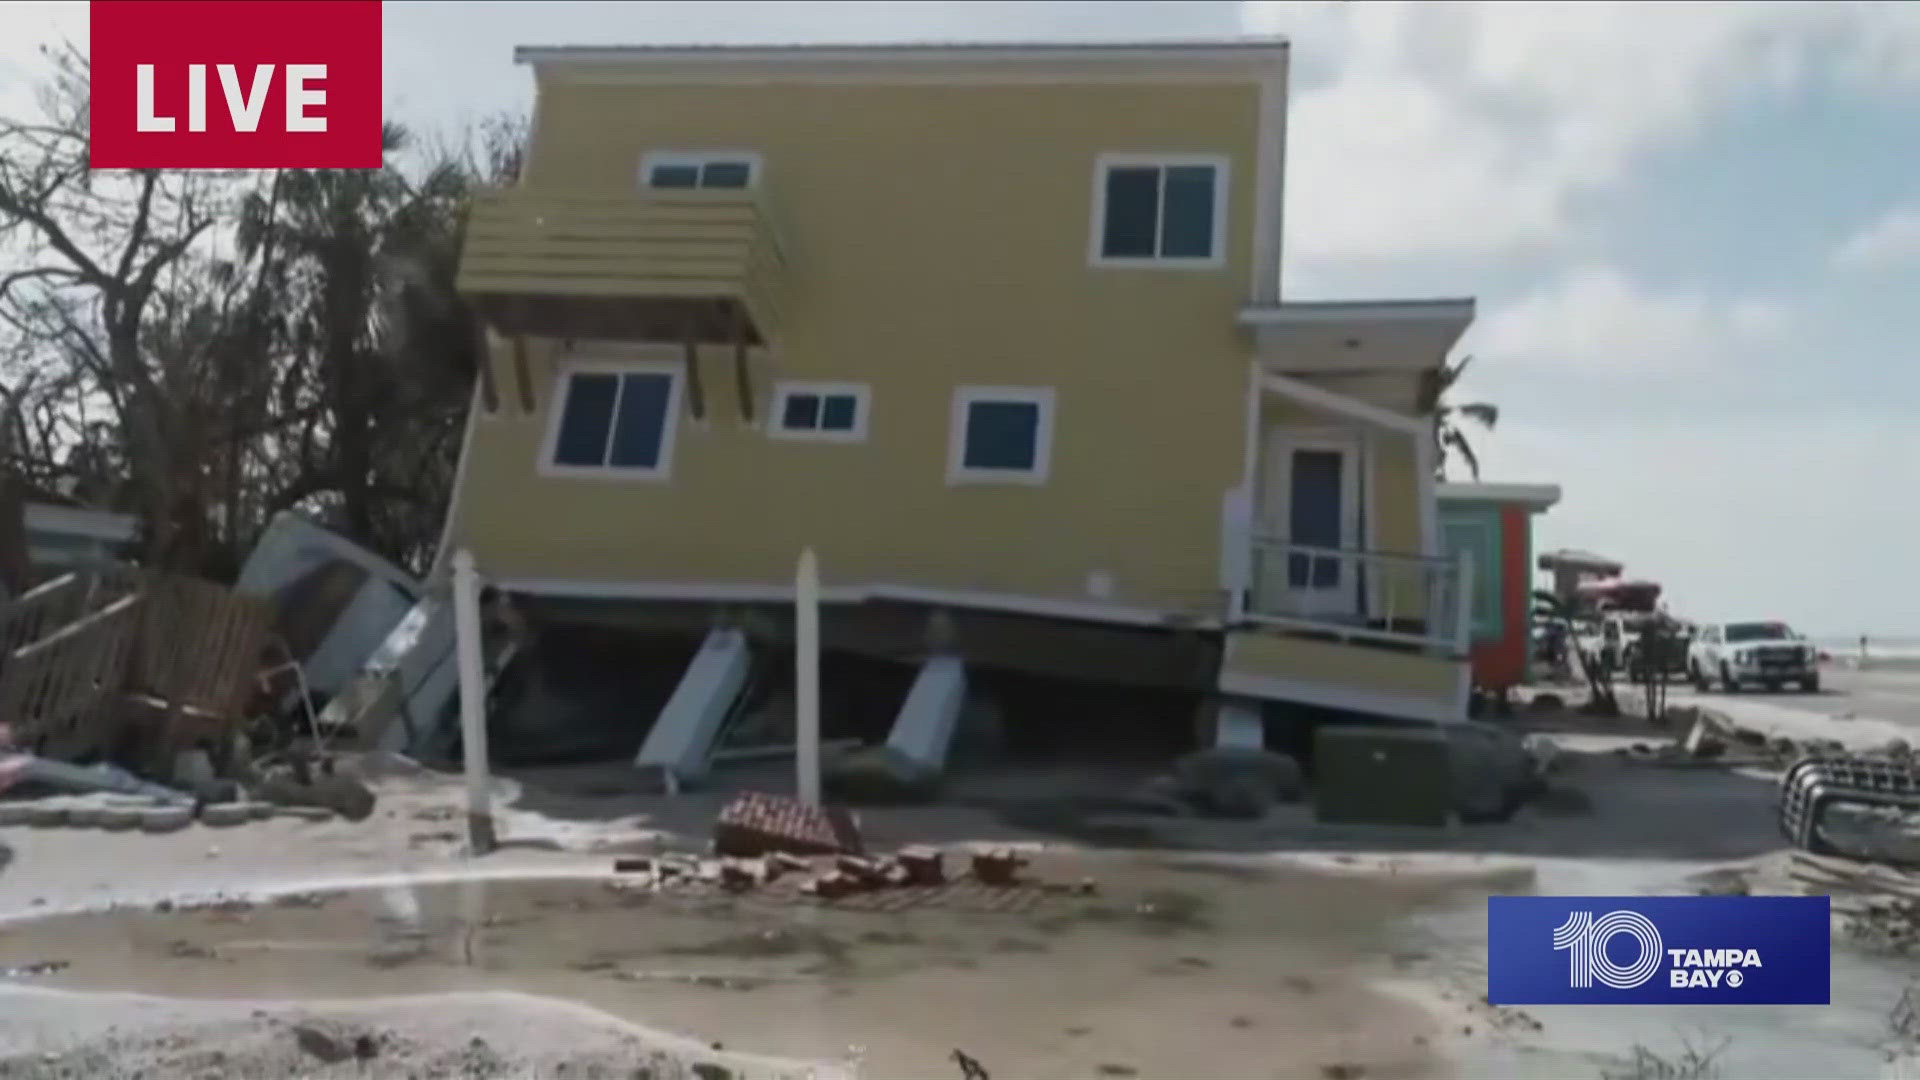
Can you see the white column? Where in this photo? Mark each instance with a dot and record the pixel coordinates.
(806, 676)
(1463, 604)
(473, 701)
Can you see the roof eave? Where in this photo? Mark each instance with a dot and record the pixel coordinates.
(1444, 310)
(1225, 51)
(1535, 497)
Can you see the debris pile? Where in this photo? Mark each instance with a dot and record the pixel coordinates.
(1878, 905)
(1223, 781)
(756, 823)
(775, 845)
(903, 879)
(105, 796)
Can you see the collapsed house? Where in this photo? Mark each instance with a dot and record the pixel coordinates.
(1064, 426)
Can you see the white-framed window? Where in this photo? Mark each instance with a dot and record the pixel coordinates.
(700, 169)
(1159, 210)
(613, 419)
(826, 411)
(1000, 435)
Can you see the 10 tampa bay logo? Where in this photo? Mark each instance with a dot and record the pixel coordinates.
(1672, 950)
(235, 84)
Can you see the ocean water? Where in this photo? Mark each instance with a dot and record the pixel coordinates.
(1878, 648)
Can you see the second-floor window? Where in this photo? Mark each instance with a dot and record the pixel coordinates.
(1159, 210)
(699, 169)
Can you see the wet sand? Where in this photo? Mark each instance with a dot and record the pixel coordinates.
(1177, 966)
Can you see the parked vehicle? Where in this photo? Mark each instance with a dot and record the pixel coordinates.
(1769, 653)
(1657, 640)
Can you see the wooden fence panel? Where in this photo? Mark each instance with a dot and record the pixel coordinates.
(62, 693)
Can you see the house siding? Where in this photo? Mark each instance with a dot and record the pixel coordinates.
(936, 236)
(1428, 683)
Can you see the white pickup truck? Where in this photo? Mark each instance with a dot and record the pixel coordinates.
(1768, 653)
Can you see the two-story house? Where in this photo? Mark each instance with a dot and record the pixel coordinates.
(997, 331)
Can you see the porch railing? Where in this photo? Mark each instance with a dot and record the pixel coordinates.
(1417, 600)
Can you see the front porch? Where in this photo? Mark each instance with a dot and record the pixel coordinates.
(1340, 595)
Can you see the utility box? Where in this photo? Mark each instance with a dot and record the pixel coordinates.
(1382, 776)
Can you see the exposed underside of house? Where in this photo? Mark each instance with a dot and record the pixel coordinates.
(1334, 596)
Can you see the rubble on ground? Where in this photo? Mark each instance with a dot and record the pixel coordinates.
(1878, 904)
(126, 697)
(879, 775)
(1235, 782)
(757, 823)
(828, 877)
(1493, 771)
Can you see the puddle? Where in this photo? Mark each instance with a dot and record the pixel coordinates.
(1241, 973)
(1849, 1037)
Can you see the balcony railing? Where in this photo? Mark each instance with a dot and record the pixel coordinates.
(680, 265)
(1387, 597)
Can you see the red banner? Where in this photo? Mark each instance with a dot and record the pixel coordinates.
(235, 84)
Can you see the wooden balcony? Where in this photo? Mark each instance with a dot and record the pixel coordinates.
(699, 267)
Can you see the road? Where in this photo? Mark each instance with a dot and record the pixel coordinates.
(1891, 694)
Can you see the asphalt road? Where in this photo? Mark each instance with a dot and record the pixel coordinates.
(1891, 694)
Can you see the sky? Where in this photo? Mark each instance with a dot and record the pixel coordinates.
(1693, 231)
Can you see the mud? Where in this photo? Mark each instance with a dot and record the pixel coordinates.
(1191, 968)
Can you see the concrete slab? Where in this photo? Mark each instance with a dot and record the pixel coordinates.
(924, 727)
(683, 735)
(1238, 724)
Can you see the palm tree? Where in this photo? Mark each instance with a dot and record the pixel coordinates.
(1450, 438)
(362, 263)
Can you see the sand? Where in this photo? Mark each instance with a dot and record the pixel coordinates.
(1274, 948)
(482, 1036)
(1247, 969)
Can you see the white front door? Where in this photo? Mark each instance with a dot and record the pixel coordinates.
(1311, 498)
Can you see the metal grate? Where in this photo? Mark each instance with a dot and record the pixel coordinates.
(1811, 783)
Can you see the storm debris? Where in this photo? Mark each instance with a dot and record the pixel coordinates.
(756, 823)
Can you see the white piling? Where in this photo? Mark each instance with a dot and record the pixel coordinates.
(806, 676)
(473, 701)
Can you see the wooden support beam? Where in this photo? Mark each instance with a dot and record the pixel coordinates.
(743, 381)
(522, 374)
(696, 394)
(489, 390)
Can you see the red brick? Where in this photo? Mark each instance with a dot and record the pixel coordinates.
(756, 823)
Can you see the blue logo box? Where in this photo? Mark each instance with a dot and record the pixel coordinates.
(1659, 950)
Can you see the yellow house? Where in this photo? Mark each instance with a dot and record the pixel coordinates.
(997, 331)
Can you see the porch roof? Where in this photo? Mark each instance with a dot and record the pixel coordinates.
(1357, 335)
(1535, 497)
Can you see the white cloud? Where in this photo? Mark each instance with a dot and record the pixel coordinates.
(1894, 238)
(1472, 129)
(1739, 515)
(1595, 321)
(25, 27)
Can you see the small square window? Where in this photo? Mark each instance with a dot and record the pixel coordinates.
(1159, 212)
(835, 412)
(1001, 434)
(702, 169)
(613, 420)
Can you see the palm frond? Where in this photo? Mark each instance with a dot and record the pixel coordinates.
(1480, 412)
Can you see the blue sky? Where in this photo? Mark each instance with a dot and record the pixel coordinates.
(1694, 231)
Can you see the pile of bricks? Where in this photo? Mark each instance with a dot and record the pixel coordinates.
(756, 823)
